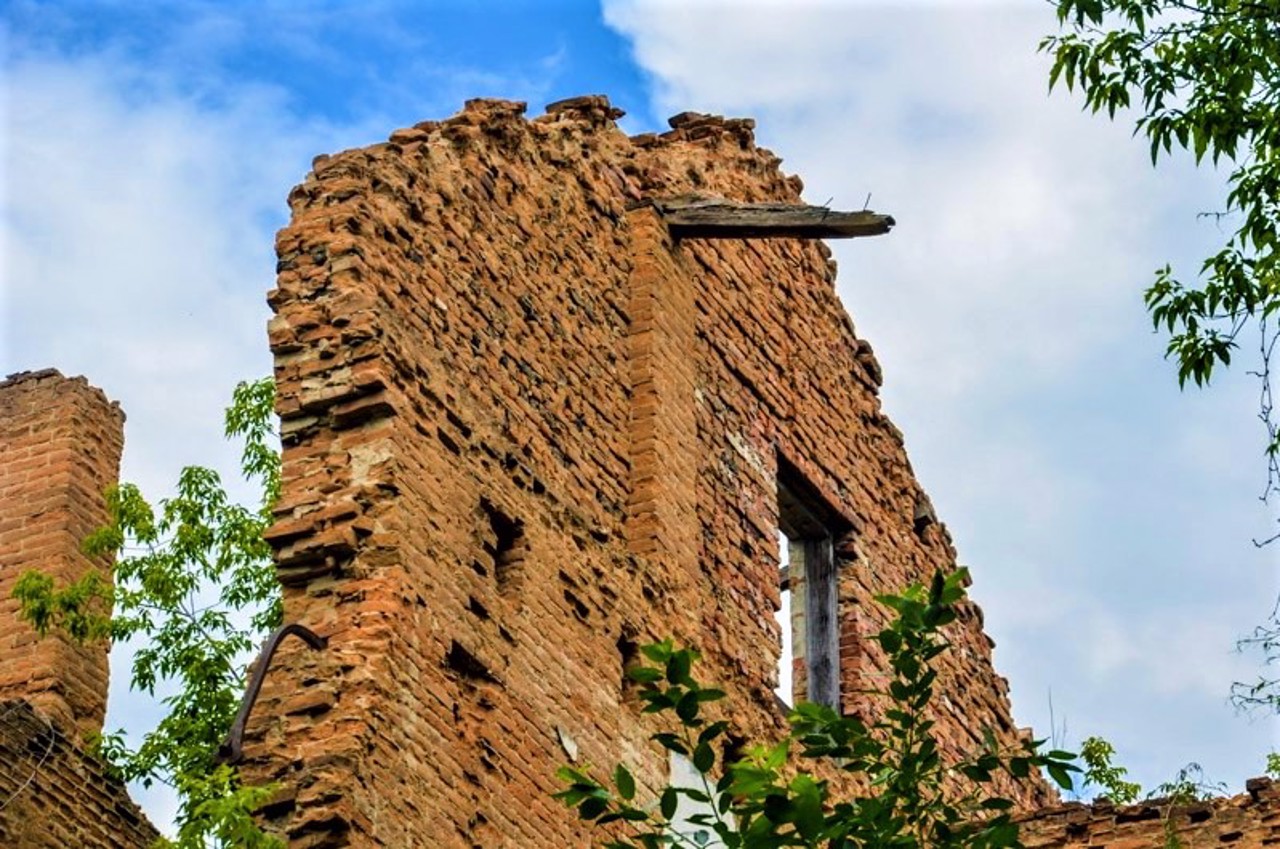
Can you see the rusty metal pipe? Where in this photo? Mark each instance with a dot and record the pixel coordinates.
(232, 748)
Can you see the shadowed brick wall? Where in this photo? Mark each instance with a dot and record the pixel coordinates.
(525, 432)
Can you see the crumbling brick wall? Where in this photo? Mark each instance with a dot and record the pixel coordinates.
(1250, 820)
(524, 432)
(54, 795)
(60, 443)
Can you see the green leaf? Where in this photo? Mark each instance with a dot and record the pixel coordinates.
(658, 652)
(624, 782)
(687, 707)
(592, 807)
(678, 666)
(671, 742)
(668, 803)
(703, 758)
(1060, 775)
(644, 674)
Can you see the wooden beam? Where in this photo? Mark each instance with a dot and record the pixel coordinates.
(713, 218)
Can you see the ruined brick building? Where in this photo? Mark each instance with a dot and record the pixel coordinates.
(537, 412)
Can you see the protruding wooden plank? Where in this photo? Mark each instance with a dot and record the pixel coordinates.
(703, 218)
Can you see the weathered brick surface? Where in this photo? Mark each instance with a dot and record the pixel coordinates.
(55, 796)
(1248, 821)
(524, 433)
(60, 443)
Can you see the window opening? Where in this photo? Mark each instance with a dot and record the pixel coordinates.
(806, 529)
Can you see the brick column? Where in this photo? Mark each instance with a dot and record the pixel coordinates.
(662, 518)
(60, 444)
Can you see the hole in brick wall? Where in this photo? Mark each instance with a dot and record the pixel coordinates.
(735, 748)
(628, 656)
(466, 664)
(923, 516)
(277, 809)
(474, 605)
(579, 608)
(458, 423)
(488, 755)
(505, 545)
(448, 441)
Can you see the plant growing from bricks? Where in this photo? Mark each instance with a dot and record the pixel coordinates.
(767, 799)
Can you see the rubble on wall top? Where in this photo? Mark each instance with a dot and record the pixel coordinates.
(489, 121)
(590, 105)
(32, 376)
(514, 108)
(594, 109)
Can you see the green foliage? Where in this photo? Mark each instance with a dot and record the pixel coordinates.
(1273, 764)
(1100, 772)
(1186, 788)
(1203, 77)
(194, 584)
(767, 799)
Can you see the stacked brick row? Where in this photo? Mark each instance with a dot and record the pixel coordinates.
(53, 795)
(60, 443)
(525, 433)
(1250, 820)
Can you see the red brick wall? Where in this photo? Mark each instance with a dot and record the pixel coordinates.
(525, 432)
(54, 796)
(1250, 820)
(60, 443)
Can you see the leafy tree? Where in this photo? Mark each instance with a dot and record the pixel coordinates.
(1204, 76)
(765, 800)
(194, 582)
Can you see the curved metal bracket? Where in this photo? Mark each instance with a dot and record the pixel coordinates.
(232, 748)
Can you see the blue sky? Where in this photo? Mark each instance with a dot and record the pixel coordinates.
(148, 149)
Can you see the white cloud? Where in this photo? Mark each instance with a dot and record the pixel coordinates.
(143, 184)
(1107, 518)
